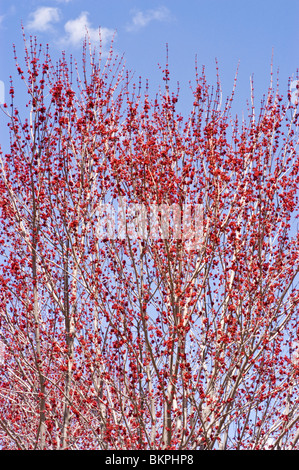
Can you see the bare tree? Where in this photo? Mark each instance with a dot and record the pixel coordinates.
(148, 328)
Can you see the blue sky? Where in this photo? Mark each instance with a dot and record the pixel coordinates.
(233, 31)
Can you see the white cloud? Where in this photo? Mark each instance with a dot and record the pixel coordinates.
(77, 29)
(42, 18)
(142, 19)
(11, 11)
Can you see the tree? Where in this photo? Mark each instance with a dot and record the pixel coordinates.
(134, 334)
